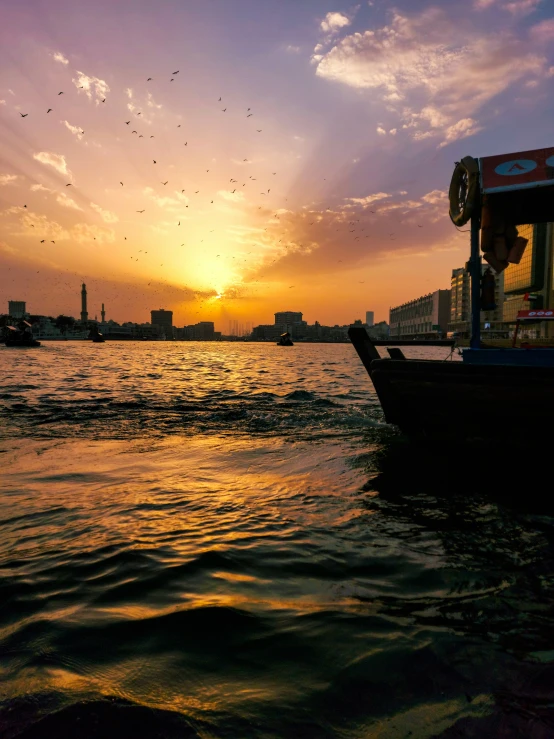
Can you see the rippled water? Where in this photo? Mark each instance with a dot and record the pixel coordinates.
(225, 540)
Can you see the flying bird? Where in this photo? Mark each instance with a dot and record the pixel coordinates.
(154, 161)
(249, 114)
(141, 211)
(171, 80)
(104, 100)
(149, 79)
(141, 136)
(60, 93)
(165, 183)
(151, 137)
(134, 131)
(42, 241)
(24, 115)
(68, 184)
(224, 109)
(177, 72)
(186, 142)
(127, 122)
(219, 100)
(121, 183)
(52, 242)
(259, 130)
(49, 110)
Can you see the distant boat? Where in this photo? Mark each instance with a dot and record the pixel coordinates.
(20, 336)
(285, 340)
(96, 336)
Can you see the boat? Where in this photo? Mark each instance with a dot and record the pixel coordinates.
(285, 340)
(492, 394)
(19, 336)
(96, 336)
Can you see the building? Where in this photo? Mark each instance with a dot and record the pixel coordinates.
(164, 320)
(16, 308)
(379, 330)
(425, 316)
(202, 331)
(460, 304)
(287, 317)
(84, 313)
(529, 284)
(369, 318)
(103, 314)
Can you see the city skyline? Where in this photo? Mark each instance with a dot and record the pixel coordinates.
(318, 181)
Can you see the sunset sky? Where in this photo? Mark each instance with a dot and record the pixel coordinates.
(317, 183)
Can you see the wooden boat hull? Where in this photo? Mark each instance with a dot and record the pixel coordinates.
(453, 401)
(25, 344)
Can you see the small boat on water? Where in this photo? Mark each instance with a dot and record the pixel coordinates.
(96, 336)
(20, 336)
(493, 394)
(285, 340)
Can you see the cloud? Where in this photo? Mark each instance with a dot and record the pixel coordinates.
(66, 201)
(433, 73)
(369, 199)
(92, 86)
(75, 130)
(57, 161)
(516, 7)
(333, 22)
(59, 57)
(106, 215)
(2, 102)
(8, 179)
(129, 92)
(167, 203)
(61, 197)
(234, 196)
(151, 103)
(460, 130)
(381, 131)
(293, 49)
(543, 32)
(84, 232)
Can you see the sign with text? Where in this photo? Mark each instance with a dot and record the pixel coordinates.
(517, 171)
(535, 315)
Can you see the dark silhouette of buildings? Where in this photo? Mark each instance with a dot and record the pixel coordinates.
(164, 320)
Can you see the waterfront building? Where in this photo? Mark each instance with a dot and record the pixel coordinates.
(202, 331)
(460, 304)
(287, 317)
(16, 308)
(369, 318)
(164, 320)
(424, 316)
(528, 285)
(379, 330)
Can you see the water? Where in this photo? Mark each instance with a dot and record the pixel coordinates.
(226, 540)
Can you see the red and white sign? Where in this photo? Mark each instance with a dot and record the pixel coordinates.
(536, 315)
(517, 171)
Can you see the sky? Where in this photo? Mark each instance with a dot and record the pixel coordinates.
(226, 159)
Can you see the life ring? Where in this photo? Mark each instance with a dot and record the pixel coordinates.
(464, 191)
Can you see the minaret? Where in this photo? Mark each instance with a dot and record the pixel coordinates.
(103, 314)
(84, 314)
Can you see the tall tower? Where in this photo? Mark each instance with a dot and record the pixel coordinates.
(84, 314)
(103, 314)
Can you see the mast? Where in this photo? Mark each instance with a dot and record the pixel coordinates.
(475, 274)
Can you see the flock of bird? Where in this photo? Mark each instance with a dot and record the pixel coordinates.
(274, 217)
